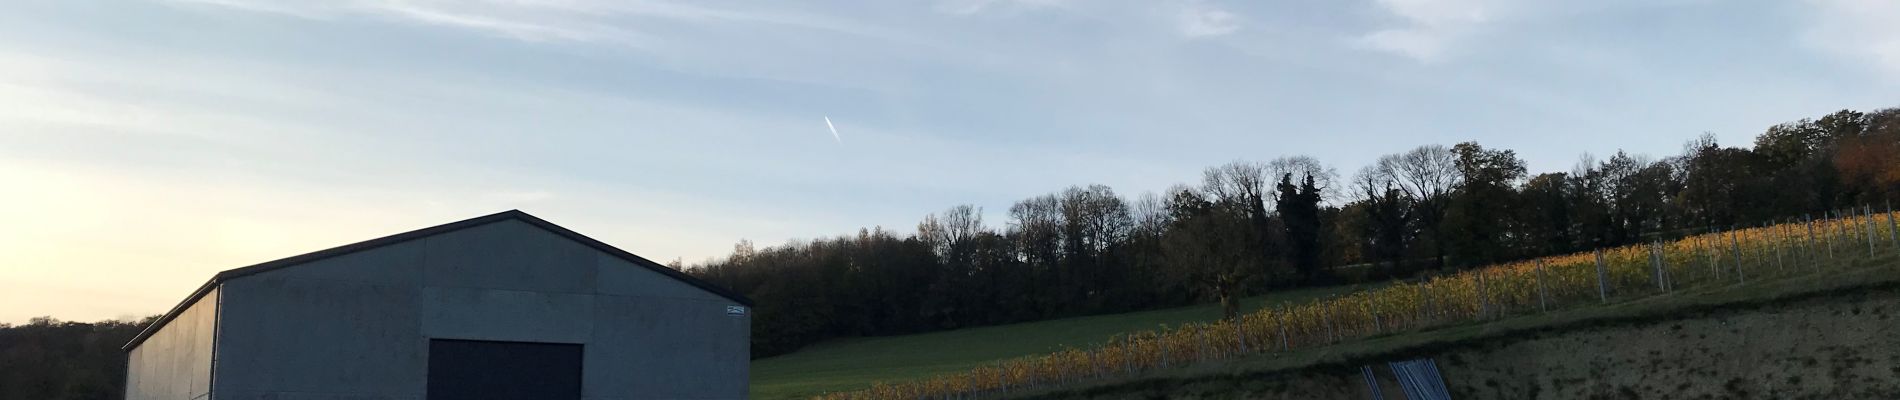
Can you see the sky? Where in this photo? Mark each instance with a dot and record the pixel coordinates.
(146, 145)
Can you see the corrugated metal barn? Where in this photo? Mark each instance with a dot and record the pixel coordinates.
(505, 306)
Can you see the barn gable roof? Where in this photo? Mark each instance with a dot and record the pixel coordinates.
(515, 215)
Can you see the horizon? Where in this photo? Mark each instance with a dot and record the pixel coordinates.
(150, 145)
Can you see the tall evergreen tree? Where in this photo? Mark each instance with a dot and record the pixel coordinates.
(1299, 214)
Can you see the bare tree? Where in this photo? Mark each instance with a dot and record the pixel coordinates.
(1241, 182)
(742, 251)
(951, 228)
(1371, 182)
(1427, 172)
(1302, 167)
(1426, 175)
(1096, 218)
(1238, 182)
(1150, 213)
(1036, 224)
(1240, 187)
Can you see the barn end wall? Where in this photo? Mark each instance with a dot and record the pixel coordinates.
(175, 362)
(358, 326)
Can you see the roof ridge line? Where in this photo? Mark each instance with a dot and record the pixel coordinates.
(371, 244)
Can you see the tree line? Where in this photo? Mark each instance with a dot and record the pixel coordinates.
(62, 360)
(1243, 229)
(1248, 227)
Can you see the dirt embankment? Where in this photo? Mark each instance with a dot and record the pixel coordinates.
(1839, 346)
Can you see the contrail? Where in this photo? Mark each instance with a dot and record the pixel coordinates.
(834, 130)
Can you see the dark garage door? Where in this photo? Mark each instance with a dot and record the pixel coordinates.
(479, 370)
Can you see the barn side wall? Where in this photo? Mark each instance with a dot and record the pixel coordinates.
(358, 326)
(175, 362)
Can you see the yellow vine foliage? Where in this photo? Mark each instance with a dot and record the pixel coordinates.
(1715, 258)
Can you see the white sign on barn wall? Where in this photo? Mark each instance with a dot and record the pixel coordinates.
(736, 311)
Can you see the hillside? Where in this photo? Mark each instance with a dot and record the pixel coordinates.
(1734, 266)
(851, 364)
(1827, 336)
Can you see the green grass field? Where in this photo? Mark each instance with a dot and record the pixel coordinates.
(850, 364)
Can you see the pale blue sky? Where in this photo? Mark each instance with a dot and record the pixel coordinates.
(145, 145)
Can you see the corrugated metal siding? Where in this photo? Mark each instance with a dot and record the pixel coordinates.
(175, 363)
(1421, 379)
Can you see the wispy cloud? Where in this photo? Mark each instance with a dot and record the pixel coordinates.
(306, 10)
(677, 126)
(1864, 31)
(968, 7)
(39, 94)
(542, 21)
(538, 22)
(1424, 45)
(1202, 20)
(512, 28)
(1428, 27)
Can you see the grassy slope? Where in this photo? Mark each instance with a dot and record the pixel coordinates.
(857, 363)
(1856, 274)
